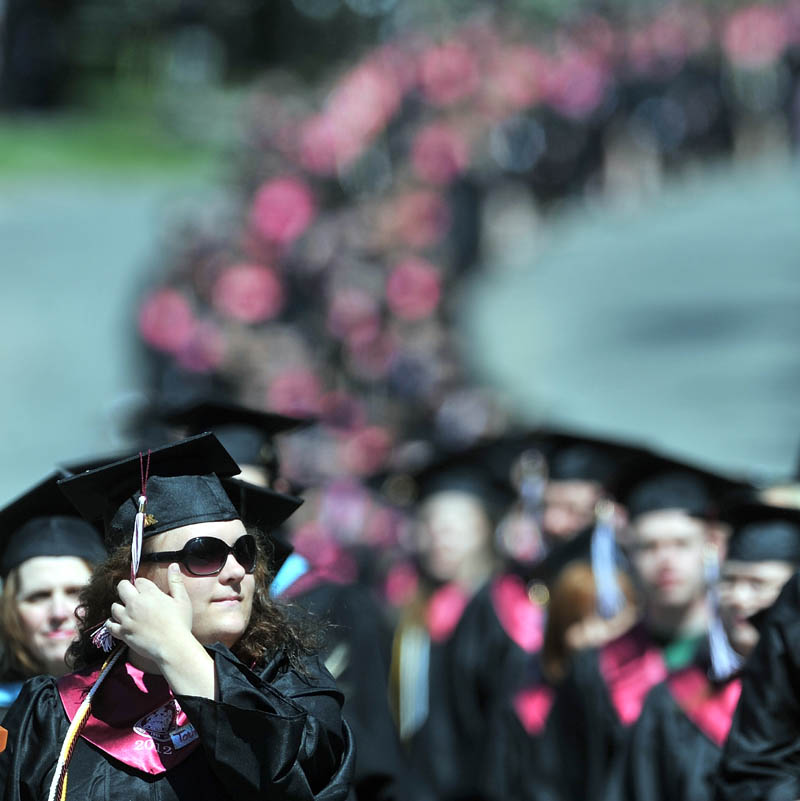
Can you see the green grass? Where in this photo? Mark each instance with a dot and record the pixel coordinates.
(123, 131)
(94, 142)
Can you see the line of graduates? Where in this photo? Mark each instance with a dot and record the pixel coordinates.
(577, 621)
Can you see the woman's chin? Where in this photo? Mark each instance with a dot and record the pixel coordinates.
(227, 632)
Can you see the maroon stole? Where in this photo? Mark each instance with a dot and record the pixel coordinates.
(631, 665)
(520, 618)
(532, 706)
(708, 706)
(134, 718)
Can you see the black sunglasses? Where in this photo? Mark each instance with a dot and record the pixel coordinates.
(206, 556)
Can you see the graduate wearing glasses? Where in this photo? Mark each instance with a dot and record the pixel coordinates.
(189, 682)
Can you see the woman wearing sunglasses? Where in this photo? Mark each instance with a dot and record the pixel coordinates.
(209, 690)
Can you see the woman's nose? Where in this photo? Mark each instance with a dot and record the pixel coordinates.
(59, 606)
(232, 570)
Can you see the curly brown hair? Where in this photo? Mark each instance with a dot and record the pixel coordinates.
(273, 627)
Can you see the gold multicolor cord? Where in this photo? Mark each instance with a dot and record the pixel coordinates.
(58, 787)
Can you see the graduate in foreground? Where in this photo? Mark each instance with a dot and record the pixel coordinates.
(209, 690)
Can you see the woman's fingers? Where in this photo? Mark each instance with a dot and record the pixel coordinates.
(126, 591)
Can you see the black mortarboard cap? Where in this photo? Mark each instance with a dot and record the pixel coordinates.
(577, 458)
(654, 482)
(73, 468)
(183, 487)
(42, 522)
(763, 532)
(468, 470)
(245, 432)
(573, 455)
(264, 509)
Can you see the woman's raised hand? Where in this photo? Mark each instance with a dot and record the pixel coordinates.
(151, 622)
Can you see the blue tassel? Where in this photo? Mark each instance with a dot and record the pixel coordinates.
(610, 599)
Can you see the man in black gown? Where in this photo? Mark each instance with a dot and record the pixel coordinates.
(670, 532)
(676, 744)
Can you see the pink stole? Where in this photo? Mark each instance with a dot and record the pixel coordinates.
(135, 718)
(709, 708)
(631, 665)
(520, 618)
(532, 706)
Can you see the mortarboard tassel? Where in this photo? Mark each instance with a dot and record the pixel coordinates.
(724, 660)
(102, 638)
(609, 598)
(138, 523)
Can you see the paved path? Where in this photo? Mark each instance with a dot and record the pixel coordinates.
(678, 322)
(72, 253)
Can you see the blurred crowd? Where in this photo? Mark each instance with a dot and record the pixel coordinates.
(544, 615)
(512, 611)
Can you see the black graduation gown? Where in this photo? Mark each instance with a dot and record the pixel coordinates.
(483, 660)
(419, 685)
(761, 758)
(274, 733)
(516, 750)
(356, 653)
(594, 708)
(675, 746)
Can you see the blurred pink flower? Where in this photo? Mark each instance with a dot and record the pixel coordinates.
(439, 153)
(319, 144)
(166, 320)
(413, 289)
(295, 392)
(448, 73)
(418, 219)
(365, 451)
(251, 293)
(366, 99)
(398, 62)
(577, 83)
(282, 209)
(205, 349)
(359, 108)
(664, 44)
(516, 76)
(755, 36)
(353, 314)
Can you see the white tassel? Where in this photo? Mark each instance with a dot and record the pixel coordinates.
(136, 541)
